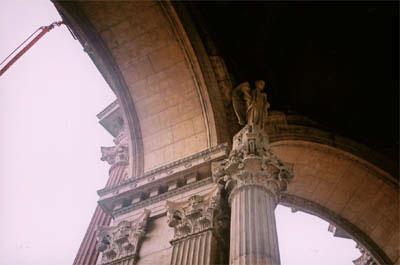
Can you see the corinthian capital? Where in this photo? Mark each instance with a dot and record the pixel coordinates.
(197, 214)
(365, 259)
(117, 153)
(252, 162)
(122, 242)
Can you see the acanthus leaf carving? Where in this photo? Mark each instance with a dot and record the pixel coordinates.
(122, 241)
(252, 162)
(199, 213)
(365, 258)
(117, 153)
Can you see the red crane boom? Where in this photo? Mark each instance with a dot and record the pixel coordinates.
(43, 29)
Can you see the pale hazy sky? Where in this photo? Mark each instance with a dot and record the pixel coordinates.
(50, 148)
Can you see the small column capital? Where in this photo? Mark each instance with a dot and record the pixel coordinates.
(117, 153)
(365, 258)
(121, 242)
(197, 214)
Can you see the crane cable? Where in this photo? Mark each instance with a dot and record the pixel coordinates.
(44, 29)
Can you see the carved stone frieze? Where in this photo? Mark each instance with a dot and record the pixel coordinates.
(122, 242)
(252, 162)
(198, 214)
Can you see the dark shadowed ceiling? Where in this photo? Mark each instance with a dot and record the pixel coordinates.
(336, 63)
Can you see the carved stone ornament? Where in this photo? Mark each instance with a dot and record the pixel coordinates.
(117, 153)
(198, 214)
(365, 259)
(252, 162)
(121, 243)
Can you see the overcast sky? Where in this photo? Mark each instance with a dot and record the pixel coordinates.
(50, 148)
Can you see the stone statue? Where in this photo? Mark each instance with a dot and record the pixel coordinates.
(250, 105)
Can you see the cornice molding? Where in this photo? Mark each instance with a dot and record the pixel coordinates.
(184, 161)
(162, 196)
(105, 111)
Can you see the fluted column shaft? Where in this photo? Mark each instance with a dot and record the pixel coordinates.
(254, 237)
(200, 249)
(87, 253)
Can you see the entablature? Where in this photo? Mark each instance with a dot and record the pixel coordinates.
(161, 183)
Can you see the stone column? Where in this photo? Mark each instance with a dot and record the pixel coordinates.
(117, 157)
(253, 176)
(200, 229)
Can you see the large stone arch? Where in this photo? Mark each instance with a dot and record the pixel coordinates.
(145, 55)
(282, 126)
(345, 190)
(339, 180)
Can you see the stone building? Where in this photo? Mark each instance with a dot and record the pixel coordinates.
(202, 158)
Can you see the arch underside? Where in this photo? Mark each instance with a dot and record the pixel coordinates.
(345, 190)
(146, 57)
(310, 207)
(173, 110)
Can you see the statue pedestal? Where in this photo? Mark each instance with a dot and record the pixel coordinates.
(250, 140)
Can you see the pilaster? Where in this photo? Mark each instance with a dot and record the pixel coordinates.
(117, 157)
(200, 229)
